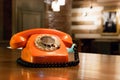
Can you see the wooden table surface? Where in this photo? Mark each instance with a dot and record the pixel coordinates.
(91, 67)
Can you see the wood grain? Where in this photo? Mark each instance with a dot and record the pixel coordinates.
(91, 67)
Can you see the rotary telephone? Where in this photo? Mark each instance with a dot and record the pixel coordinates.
(44, 47)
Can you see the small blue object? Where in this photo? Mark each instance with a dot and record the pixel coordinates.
(71, 50)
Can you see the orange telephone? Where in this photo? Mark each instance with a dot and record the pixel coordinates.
(44, 48)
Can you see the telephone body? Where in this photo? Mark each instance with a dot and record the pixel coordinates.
(42, 45)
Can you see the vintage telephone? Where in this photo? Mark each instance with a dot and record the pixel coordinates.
(44, 47)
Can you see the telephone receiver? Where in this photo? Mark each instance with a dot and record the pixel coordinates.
(20, 39)
(42, 47)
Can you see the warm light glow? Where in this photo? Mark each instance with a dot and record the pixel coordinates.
(61, 2)
(87, 18)
(55, 6)
(88, 9)
(118, 15)
(87, 14)
(84, 27)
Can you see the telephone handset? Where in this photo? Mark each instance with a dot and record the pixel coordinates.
(43, 47)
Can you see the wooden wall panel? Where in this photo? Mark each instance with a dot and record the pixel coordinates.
(29, 19)
(7, 19)
(1, 19)
(28, 14)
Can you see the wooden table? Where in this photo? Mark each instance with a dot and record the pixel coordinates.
(91, 67)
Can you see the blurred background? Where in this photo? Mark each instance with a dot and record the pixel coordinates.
(84, 20)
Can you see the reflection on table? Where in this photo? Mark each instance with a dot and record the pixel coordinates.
(91, 67)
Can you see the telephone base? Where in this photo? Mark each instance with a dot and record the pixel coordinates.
(51, 65)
